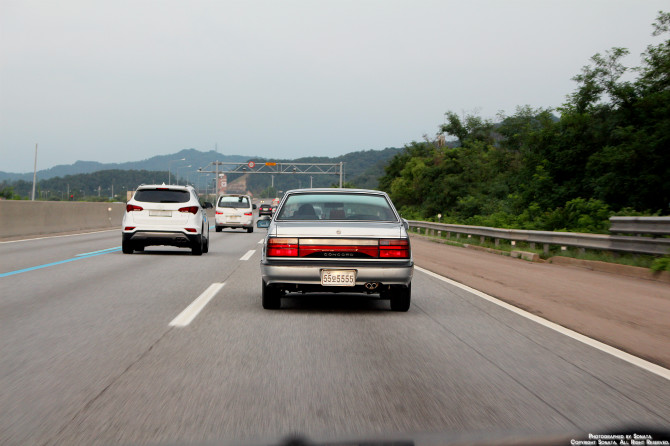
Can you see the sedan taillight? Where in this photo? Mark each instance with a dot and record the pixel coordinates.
(132, 207)
(190, 209)
(248, 214)
(282, 247)
(397, 248)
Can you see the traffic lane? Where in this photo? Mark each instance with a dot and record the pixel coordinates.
(67, 332)
(627, 313)
(330, 366)
(591, 387)
(18, 255)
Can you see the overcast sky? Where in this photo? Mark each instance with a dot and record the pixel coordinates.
(117, 80)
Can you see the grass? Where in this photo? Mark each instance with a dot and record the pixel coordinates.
(507, 246)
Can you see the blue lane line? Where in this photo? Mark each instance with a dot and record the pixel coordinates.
(33, 268)
(102, 251)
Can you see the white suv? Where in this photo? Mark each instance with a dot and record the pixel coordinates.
(234, 211)
(165, 215)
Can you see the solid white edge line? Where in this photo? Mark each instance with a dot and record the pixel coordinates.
(248, 255)
(634, 360)
(261, 241)
(57, 236)
(190, 312)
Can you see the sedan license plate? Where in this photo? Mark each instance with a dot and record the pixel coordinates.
(160, 213)
(338, 277)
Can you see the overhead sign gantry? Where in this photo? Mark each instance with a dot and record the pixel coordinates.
(275, 168)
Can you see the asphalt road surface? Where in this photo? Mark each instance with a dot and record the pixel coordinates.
(95, 348)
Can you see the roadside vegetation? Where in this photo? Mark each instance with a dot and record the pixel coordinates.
(603, 153)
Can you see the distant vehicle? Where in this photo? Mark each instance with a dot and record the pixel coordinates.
(264, 209)
(355, 243)
(234, 211)
(165, 215)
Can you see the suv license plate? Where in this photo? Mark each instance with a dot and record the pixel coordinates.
(338, 277)
(160, 213)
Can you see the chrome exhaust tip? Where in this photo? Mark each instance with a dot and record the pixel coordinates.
(371, 285)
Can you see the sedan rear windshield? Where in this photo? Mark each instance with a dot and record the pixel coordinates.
(350, 207)
(234, 202)
(162, 196)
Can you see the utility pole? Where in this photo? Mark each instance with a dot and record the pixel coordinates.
(34, 173)
(340, 174)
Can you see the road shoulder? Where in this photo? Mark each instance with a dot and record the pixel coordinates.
(627, 313)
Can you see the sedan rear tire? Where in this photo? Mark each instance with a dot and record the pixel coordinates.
(271, 297)
(401, 298)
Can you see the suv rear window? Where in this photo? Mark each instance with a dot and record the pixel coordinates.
(234, 202)
(162, 196)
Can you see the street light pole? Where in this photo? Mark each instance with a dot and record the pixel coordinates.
(34, 173)
(169, 167)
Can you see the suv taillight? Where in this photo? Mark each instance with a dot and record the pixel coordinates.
(190, 209)
(397, 248)
(282, 247)
(132, 207)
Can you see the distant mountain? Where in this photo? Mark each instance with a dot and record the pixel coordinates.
(87, 178)
(193, 157)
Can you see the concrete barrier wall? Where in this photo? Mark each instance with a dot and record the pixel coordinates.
(29, 218)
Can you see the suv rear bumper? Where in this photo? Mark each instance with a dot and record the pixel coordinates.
(167, 238)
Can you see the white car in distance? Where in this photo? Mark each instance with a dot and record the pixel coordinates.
(234, 211)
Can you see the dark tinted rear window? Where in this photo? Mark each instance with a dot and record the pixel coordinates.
(162, 196)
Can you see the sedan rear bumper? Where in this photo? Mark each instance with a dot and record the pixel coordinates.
(311, 274)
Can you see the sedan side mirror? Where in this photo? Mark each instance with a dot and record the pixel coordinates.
(253, 206)
(405, 223)
(263, 223)
(208, 205)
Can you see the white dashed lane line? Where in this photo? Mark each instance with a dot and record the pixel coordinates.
(248, 255)
(190, 312)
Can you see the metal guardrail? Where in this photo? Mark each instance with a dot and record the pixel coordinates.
(640, 225)
(617, 243)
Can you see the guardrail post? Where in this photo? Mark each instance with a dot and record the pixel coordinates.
(546, 249)
(497, 241)
(482, 239)
(532, 245)
(439, 233)
(448, 234)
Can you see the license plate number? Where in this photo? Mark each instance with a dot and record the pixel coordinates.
(340, 277)
(160, 213)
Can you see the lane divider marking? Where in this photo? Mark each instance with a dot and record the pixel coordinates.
(186, 317)
(102, 251)
(634, 360)
(260, 242)
(57, 236)
(248, 255)
(46, 265)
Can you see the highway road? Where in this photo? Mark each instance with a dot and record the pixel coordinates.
(96, 348)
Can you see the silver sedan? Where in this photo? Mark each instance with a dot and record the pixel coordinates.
(336, 240)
